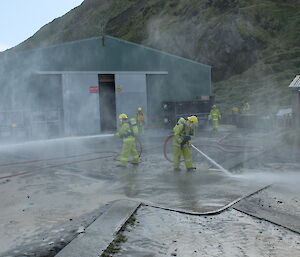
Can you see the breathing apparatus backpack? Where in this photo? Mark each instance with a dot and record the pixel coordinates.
(133, 127)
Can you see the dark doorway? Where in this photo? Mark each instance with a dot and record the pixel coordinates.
(107, 96)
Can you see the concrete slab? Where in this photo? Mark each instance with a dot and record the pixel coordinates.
(158, 232)
(100, 233)
(278, 204)
(74, 177)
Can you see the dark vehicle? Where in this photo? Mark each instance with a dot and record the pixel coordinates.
(172, 111)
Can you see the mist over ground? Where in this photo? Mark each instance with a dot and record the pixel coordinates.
(58, 166)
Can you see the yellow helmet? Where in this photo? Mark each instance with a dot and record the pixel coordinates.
(123, 116)
(193, 119)
(139, 109)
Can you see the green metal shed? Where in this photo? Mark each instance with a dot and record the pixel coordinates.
(90, 82)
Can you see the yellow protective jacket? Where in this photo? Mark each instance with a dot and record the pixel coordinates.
(140, 118)
(180, 131)
(215, 114)
(246, 107)
(125, 132)
(235, 110)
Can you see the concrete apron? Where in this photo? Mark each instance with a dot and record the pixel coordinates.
(106, 227)
(97, 237)
(35, 203)
(102, 232)
(276, 204)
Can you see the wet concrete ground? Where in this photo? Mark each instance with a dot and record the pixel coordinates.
(162, 233)
(68, 183)
(278, 203)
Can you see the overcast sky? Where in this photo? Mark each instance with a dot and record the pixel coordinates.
(20, 19)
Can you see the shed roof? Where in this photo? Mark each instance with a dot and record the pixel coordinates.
(296, 82)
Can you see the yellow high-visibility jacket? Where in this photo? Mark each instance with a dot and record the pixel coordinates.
(125, 132)
(215, 114)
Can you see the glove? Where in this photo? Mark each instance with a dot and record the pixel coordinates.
(185, 140)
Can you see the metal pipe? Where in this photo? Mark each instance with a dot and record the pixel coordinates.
(212, 161)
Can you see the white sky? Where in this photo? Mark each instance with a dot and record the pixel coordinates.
(20, 19)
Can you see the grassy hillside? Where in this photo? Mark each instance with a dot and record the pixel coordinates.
(253, 45)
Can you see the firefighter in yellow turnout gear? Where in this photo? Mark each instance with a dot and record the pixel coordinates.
(127, 132)
(183, 131)
(215, 116)
(140, 120)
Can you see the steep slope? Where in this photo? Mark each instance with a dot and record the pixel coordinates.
(253, 45)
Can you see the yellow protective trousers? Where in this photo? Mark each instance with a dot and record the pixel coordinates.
(141, 129)
(129, 149)
(215, 124)
(187, 155)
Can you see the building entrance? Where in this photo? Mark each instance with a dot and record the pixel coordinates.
(107, 99)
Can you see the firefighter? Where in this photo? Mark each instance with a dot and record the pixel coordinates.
(246, 107)
(183, 131)
(234, 114)
(127, 132)
(140, 120)
(215, 116)
(235, 110)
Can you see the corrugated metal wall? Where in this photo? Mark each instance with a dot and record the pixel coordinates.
(185, 79)
(81, 108)
(131, 93)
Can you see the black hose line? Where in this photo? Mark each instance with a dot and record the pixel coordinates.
(165, 147)
(139, 148)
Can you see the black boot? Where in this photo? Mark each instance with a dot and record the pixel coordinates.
(191, 169)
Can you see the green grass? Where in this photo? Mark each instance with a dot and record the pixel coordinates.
(114, 246)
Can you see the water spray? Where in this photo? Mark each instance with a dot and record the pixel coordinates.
(220, 168)
(212, 161)
(5, 146)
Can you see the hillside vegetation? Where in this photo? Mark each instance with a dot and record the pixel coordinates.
(252, 45)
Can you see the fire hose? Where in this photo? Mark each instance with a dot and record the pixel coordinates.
(244, 148)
